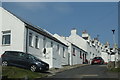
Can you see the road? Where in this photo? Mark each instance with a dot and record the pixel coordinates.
(89, 71)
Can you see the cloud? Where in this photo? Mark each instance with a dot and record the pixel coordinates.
(32, 5)
(62, 7)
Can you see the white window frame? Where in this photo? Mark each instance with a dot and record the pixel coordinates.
(6, 33)
(37, 42)
(31, 42)
(64, 52)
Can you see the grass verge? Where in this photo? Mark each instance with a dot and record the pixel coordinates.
(14, 72)
(115, 70)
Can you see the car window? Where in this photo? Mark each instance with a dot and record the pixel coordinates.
(21, 54)
(31, 57)
(97, 58)
(12, 53)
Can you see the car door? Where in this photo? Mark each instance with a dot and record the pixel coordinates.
(22, 60)
(13, 58)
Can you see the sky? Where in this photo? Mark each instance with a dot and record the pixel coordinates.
(97, 18)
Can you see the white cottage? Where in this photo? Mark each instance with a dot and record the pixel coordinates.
(80, 43)
(75, 54)
(92, 48)
(19, 35)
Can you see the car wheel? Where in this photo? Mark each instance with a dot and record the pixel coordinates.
(4, 63)
(33, 68)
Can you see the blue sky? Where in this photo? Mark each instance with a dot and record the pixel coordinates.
(98, 18)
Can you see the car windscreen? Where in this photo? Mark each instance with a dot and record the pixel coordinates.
(32, 57)
(97, 58)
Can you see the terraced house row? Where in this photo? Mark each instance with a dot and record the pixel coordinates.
(18, 35)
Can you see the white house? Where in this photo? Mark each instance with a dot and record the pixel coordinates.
(75, 39)
(75, 54)
(92, 47)
(19, 35)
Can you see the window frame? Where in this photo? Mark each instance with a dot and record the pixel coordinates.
(64, 52)
(36, 42)
(4, 40)
(31, 39)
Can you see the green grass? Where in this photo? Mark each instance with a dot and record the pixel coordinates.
(115, 70)
(14, 72)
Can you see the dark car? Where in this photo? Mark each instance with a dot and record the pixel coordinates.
(24, 60)
(97, 60)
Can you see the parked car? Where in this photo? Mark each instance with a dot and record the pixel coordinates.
(97, 60)
(24, 60)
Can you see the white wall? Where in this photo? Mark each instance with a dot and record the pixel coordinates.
(66, 57)
(10, 22)
(49, 58)
(70, 58)
(31, 49)
(57, 55)
(0, 30)
(112, 57)
(77, 40)
(76, 59)
(105, 57)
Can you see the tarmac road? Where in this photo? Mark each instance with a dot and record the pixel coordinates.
(89, 71)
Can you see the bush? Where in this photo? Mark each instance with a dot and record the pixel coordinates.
(111, 65)
(118, 64)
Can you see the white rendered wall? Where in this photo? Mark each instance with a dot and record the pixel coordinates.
(57, 59)
(70, 59)
(77, 40)
(48, 59)
(66, 58)
(112, 57)
(10, 22)
(0, 30)
(105, 56)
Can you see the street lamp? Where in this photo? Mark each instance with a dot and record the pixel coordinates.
(113, 36)
(114, 44)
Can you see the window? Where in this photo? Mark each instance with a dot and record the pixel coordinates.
(51, 44)
(6, 37)
(30, 39)
(44, 41)
(92, 41)
(31, 57)
(63, 52)
(98, 51)
(90, 52)
(58, 47)
(73, 51)
(36, 42)
(105, 46)
(81, 54)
